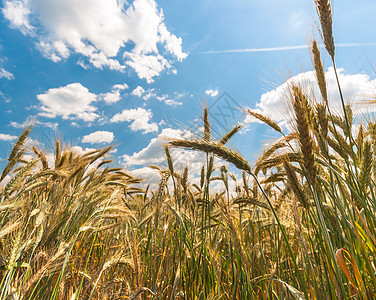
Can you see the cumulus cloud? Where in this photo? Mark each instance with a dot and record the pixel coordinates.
(211, 93)
(7, 137)
(149, 175)
(140, 92)
(111, 97)
(114, 95)
(73, 101)
(356, 88)
(6, 74)
(99, 137)
(120, 87)
(81, 151)
(139, 117)
(100, 31)
(153, 153)
(147, 66)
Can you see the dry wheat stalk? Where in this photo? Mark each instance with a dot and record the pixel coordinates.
(230, 134)
(245, 183)
(324, 11)
(360, 140)
(54, 261)
(305, 138)
(206, 125)
(21, 140)
(58, 153)
(322, 119)
(249, 200)
(319, 71)
(16, 153)
(202, 176)
(217, 149)
(294, 184)
(169, 160)
(42, 157)
(265, 119)
(277, 145)
(366, 168)
(184, 180)
(276, 161)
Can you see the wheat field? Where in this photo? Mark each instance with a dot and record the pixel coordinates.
(300, 223)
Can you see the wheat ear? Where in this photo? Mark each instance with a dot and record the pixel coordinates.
(265, 119)
(319, 71)
(305, 138)
(217, 149)
(206, 125)
(324, 10)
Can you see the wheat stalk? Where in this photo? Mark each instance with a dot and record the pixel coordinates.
(206, 125)
(324, 11)
(294, 183)
(319, 71)
(323, 121)
(265, 119)
(42, 157)
(277, 145)
(230, 134)
(305, 138)
(215, 148)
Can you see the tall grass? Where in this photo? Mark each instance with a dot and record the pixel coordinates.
(299, 225)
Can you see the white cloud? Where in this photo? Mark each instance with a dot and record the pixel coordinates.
(149, 175)
(166, 99)
(139, 117)
(120, 87)
(138, 91)
(99, 30)
(72, 101)
(172, 102)
(111, 97)
(6, 74)
(81, 151)
(173, 43)
(17, 12)
(211, 93)
(153, 153)
(147, 66)
(356, 88)
(52, 125)
(98, 137)
(114, 95)
(55, 51)
(7, 137)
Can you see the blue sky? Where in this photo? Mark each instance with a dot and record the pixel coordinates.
(98, 72)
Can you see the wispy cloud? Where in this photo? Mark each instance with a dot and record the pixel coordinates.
(283, 48)
(6, 74)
